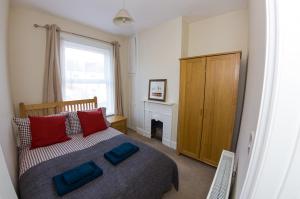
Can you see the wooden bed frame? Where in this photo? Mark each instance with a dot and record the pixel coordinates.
(57, 107)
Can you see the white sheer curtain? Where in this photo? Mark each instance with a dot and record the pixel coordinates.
(88, 71)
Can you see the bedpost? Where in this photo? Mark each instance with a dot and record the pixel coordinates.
(60, 107)
(96, 103)
(22, 110)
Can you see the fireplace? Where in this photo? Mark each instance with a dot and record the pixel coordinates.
(159, 122)
(156, 129)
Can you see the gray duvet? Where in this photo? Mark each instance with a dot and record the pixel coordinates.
(147, 174)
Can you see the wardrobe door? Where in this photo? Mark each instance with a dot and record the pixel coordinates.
(221, 89)
(192, 83)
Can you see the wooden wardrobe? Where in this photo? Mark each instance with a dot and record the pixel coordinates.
(207, 107)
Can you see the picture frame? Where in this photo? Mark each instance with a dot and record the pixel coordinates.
(157, 89)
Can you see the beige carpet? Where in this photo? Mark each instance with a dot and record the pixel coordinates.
(194, 177)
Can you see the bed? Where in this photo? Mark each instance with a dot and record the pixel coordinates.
(148, 174)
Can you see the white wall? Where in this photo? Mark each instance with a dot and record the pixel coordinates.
(27, 52)
(132, 84)
(222, 33)
(159, 50)
(254, 85)
(7, 140)
(185, 38)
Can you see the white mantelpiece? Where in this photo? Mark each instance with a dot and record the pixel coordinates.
(164, 112)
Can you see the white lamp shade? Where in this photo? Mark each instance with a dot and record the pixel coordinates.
(123, 18)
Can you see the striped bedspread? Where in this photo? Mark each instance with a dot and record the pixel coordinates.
(29, 158)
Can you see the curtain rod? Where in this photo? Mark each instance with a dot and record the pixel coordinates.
(72, 33)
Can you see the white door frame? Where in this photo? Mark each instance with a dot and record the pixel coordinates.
(278, 137)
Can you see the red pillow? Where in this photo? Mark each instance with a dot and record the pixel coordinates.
(47, 130)
(91, 121)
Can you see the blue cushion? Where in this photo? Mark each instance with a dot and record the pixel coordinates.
(123, 149)
(78, 173)
(116, 159)
(62, 187)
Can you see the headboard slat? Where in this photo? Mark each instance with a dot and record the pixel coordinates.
(56, 107)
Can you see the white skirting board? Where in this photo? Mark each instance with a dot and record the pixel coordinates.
(143, 132)
(166, 142)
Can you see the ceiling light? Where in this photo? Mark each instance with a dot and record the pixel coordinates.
(123, 17)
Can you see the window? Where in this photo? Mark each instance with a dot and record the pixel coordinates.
(87, 71)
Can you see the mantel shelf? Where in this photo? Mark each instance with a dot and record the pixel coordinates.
(159, 102)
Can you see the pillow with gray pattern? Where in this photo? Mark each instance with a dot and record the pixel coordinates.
(74, 121)
(24, 132)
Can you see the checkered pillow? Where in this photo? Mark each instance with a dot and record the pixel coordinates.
(75, 122)
(24, 131)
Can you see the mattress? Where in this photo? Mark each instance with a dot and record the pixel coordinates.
(147, 174)
(29, 158)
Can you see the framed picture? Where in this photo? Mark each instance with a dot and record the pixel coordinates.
(157, 89)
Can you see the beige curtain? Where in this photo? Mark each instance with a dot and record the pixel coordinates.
(118, 88)
(52, 79)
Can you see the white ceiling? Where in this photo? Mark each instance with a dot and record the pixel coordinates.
(146, 13)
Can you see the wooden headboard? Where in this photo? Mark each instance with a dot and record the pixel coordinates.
(57, 107)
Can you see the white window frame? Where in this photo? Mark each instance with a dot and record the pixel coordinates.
(93, 45)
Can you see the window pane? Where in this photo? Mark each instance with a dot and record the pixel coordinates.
(82, 64)
(87, 72)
